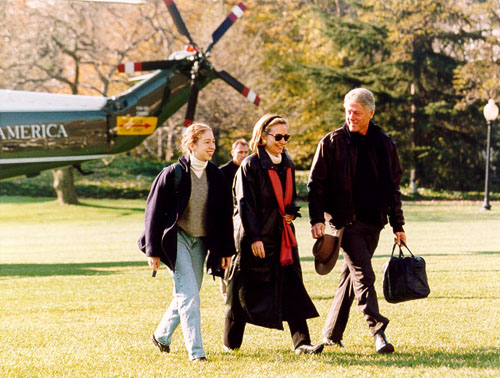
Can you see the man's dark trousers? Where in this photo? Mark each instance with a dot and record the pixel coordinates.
(356, 281)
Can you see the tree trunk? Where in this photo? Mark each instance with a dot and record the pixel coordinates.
(161, 149)
(413, 182)
(171, 132)
(340, 8)
(413, 171)
(64, 186)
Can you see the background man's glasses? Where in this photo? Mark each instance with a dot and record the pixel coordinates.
(278, 137)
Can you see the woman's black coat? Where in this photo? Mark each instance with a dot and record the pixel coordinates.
(256, 292)
(165, 204)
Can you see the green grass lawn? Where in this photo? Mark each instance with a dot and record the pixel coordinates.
(77, 300)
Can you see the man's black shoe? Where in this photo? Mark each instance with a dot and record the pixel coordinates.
(331, 342)
(309, 349)
(381, 343)
(161, 347)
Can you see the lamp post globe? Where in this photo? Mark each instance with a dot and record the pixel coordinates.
(490, 112)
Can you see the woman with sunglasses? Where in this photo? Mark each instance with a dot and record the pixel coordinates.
(265, 284)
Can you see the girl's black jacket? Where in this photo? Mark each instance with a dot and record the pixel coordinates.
(166, 203)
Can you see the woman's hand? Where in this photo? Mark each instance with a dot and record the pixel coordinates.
(289, 218)
(258, 249)
(225, 262)
(154, 263)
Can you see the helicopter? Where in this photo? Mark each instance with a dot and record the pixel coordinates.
(41, 131)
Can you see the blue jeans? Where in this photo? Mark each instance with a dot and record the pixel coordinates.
(185, 306)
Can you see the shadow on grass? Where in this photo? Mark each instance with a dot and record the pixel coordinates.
(472, 253)
(83, 204)
(311, 258)
(81, 269)
(466, 297)
(22, 199)
(473, 358)
(465, 271)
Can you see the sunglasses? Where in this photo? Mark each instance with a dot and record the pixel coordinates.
(278, 137)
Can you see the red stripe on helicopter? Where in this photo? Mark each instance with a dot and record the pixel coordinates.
(250, 95)
(237, 11)
(130, 67)
(242, 7)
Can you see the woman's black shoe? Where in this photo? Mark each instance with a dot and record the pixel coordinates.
(309, 349)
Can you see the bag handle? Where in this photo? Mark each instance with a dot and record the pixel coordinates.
(401, 254)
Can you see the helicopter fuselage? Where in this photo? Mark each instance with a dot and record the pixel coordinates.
(40, 131)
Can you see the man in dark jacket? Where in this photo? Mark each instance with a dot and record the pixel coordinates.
(355, 180)
(239, 151)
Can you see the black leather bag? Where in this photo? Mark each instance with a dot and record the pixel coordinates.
(405, 277)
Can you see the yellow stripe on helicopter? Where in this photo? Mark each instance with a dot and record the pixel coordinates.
(136, 125)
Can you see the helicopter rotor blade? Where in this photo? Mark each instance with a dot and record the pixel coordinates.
(236, 13)
(191, 107)
(130, 2)
(247, 92)
(131, 67)
(178, 21)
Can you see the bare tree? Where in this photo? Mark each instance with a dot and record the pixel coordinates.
(74, 47)
(69, 47)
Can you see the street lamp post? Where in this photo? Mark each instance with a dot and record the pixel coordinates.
(490, 113)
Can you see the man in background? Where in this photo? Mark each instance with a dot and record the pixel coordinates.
(239, 152)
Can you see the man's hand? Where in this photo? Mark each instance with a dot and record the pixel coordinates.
(400, 237)
(318, 230)
(258, 249)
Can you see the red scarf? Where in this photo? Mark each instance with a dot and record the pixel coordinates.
(287, 237)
